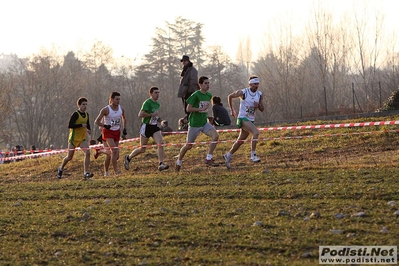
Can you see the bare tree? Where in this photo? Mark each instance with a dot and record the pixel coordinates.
(369, 34)
(391, 68)
(330, 44)
(6, 87)
(99, 54)
(277, 70)
(244, 55)
(40, 95)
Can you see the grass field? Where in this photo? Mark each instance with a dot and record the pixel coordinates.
(320, 181)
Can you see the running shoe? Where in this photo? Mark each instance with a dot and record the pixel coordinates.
(126, 162)
(59, 172)
(255, 159)
(163, 167)
(227, 160)
(211, 163)
(177, 167)
(88, 175)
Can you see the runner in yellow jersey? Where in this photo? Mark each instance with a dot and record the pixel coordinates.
(79, 127)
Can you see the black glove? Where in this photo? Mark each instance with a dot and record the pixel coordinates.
(124, 132)
(107, 126)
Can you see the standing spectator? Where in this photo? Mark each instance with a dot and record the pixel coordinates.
(79, 126)
(114, 116)
(198, 104)
(220, 115)
(250, 101)
(188, 81)
(149, 114)
(165, 126)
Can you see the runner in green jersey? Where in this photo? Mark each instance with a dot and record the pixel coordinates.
(199, 103)
(149, 128)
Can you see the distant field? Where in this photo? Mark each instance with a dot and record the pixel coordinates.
(320, 180)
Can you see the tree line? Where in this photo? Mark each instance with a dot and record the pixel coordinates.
(333, 68)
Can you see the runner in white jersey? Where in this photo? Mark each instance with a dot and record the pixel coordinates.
(114, 118)
(250, 101)
(247, 105)
(110, 119)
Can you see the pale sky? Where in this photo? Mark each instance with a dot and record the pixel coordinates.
(128, 25)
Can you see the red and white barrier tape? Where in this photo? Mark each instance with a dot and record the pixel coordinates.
(269, 139)
(35, 155)
(325, 126)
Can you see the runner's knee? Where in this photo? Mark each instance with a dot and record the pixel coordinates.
(189, 146)
(255, 135)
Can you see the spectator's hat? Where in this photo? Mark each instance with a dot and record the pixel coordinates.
(185, 57)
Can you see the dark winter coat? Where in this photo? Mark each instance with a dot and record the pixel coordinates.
(188, 81)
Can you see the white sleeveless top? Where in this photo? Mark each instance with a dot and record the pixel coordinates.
(114, 118)
(247, 108)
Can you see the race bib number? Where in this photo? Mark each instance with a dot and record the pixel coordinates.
(250, 113)
(203, 104)
(154, 119)
(115, 122)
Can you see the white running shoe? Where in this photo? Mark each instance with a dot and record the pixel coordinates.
(177, 167)
(163, 167)
(227, 160)
(255, 159)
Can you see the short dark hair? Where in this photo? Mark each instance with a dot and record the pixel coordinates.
(202, 79)
(216, 100)
(81, 100)
(114, 94)
(152, 89)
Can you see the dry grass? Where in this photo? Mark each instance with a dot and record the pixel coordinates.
(205, 216)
